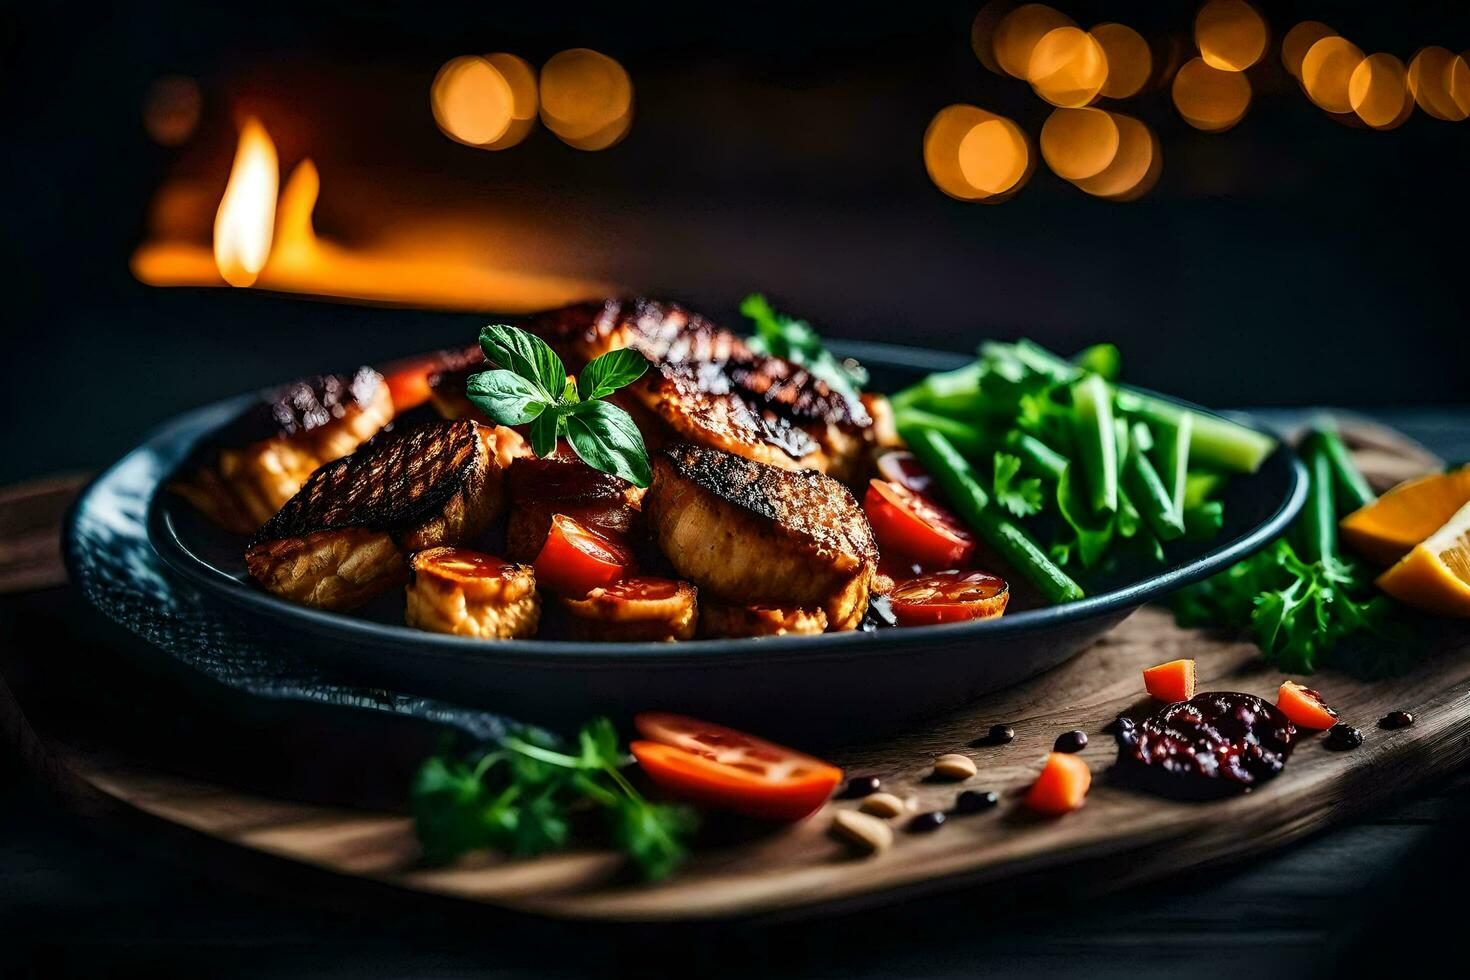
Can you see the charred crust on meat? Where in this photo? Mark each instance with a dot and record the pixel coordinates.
(804, 504)
(302, 406)
(394, 482)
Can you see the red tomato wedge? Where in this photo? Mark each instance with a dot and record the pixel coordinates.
(575, 560)
(727, 769)
(408, 380)
(903, 467)
(913, 526)
(948, 597)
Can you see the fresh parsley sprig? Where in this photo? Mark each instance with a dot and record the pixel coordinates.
(530, 386)
(794, 340)
(518, 798)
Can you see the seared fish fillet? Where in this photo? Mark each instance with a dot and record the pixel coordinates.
(707, 386)
(446, 394)
(751, 534)
(466, 593)
(342, 540)
(261, 459)
(563, 484)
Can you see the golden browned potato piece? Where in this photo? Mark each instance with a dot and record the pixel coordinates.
(642, 608)
(342, 540)
(262, 458)
(716, 619)
(751, 534)
(467, 593)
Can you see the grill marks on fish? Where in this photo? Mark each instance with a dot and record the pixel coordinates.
(708, 386)
(261, 459)
(343, 538)
(751, 534)
(539, 489)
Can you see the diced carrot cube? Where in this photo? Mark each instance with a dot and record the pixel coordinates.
(1062, 786)
(1304, 706)
(1173, 681)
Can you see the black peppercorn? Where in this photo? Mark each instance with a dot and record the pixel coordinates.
(926, 822)
(998, 735)
(1074, 741)
(1343, 737)
(975, 801)
(1396, 719)
(860, 786)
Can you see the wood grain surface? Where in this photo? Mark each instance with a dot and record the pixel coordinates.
(1119, 837)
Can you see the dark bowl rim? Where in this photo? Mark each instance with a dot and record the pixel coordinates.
(181, 433)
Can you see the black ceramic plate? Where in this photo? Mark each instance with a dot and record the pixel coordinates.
(837, 683)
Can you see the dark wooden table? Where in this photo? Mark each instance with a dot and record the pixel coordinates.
(85, 895)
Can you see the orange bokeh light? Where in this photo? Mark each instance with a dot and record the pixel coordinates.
(1230, 33)
(1130, 61)
(1079, 143)
(1378, 91)
(982, 32)
(974, 155)
(1067, 67)
(1135, 167)
(1018, 32)
(1210, 99)
(586, 99)
(472, 101)
(1327, 70)
(1431, 78)
(1298, 41)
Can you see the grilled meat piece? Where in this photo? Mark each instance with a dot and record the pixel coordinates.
(708, 387)
(563, 484)
(342, 539)
(749, 533)
(466, 593)
(447, 395)
(642, 608)
(718, 619)
(258, 462)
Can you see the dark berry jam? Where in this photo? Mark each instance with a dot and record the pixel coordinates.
(1215, 744)
(1341, 738)
(1074, 741)
(1396, 719)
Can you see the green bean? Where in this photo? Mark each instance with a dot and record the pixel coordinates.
(1172, 449)
(1352, 490)
(962, 488)
(1097, 446)
(1214, 441)
(1036, 455)
(1318, 522)
(968, 439)
(1148, 493)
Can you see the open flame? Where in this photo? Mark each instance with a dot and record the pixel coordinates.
(264, 237)
(247, 212)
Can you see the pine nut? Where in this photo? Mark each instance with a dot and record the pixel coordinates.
(884, 805)
(863, 831)
(954, 766)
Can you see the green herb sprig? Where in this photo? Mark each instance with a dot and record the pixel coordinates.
(530, 386)
(519, 797)
(794, 340)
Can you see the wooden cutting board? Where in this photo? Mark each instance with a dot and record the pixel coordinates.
(1119, 837)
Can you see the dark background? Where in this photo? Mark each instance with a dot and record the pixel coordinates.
(776, 146)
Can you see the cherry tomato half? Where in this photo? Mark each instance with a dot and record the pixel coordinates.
(575, 560)
(910, 525)
(948, 597)
(730, 770)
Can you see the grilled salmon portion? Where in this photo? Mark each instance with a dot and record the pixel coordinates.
(343, 538)
(708, 387)
(467, 593)
(259, 461)
(447, 395)
(562, 484)
(749, 533)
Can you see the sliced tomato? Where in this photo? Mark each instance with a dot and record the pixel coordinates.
(903, 467)
(408, 380)
(730, 770)
(948, 597)
(910, 525)
(575, 560)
